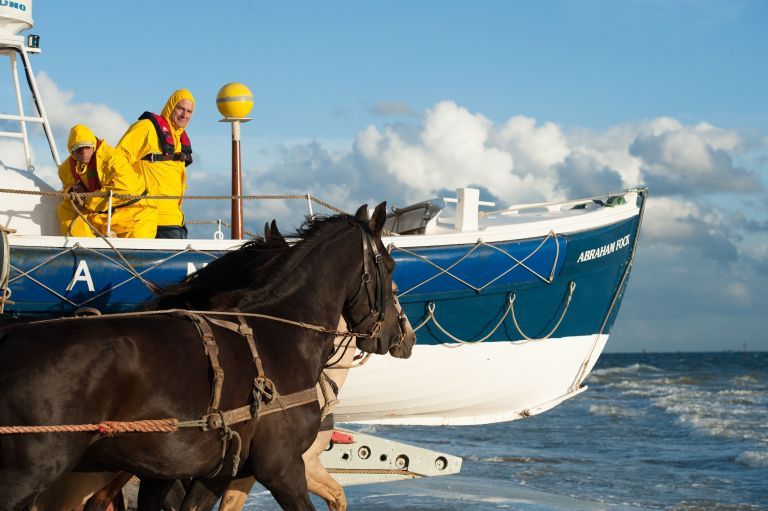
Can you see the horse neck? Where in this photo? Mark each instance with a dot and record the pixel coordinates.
(315, 282)
(312, 288)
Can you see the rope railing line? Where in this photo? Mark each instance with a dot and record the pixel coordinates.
(220, 223)
(85, 195)
(582, 373)
(126, 267)
(571, 288)
(460, 342)
(74, 200)
(519, 263)
(509, 310)
(374, 471)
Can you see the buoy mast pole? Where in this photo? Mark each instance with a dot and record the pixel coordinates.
(234, 102)
(237, 184)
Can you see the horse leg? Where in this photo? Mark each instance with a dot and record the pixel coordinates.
(203, 494)
(236, 493)
(152, 494)
(101, 500)
(287, 483)
(319, 481)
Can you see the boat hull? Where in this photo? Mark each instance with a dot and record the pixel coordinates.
(509, 321)
(468, 385)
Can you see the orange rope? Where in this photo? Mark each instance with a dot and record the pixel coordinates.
(107, 428)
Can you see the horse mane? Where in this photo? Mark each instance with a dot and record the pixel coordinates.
(229, 272)
(251, 273)
(279, 279)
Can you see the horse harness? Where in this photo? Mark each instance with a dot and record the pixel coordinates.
(265, 397)
(375, 295)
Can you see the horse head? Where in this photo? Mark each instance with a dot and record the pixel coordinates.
(373, 308)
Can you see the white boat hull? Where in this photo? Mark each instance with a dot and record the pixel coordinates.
(470, 383)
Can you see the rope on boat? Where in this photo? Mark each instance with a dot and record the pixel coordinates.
(571, 288)
(27, 273)
(74, 200)
(518, 263)
(480, 243)
(84, 195)
(380, 471)
(582, 374)
(510, 310)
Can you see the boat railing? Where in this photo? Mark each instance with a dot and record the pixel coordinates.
(596, 201)
(79, 198)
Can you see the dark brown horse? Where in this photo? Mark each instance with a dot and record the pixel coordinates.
(148, 367)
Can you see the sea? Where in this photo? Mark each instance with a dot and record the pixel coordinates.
(674, 431)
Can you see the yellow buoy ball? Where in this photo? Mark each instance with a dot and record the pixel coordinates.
(234, 100)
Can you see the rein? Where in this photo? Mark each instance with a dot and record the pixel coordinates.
(299, 324)
(375, 296)
(265, 398)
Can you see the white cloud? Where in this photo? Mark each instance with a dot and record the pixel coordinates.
(535, 149)
(63, 113)
(683, 160)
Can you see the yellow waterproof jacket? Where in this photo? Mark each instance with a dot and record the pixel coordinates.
(162, 177)
(114, 172)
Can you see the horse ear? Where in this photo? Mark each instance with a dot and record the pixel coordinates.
(361, 214)
(276, 236)
(376, 225)
(273, 236)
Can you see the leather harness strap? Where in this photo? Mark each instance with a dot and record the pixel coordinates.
(212, 350)
(281, 403)
(266, 398)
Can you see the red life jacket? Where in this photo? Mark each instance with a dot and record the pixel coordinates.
(165, 138)
(91, 182)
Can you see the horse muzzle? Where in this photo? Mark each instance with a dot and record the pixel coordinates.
(404, 345)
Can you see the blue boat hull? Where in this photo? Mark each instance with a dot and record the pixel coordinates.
(504, 291)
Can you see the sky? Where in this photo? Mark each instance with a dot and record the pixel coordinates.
(405, 101)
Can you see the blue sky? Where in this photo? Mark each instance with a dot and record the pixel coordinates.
(365, 101)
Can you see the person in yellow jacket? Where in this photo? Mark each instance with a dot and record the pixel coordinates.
(94, 166)
(158, 147)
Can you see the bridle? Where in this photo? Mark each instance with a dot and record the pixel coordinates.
(377, 304)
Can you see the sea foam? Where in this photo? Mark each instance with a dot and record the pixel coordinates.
(754, 459)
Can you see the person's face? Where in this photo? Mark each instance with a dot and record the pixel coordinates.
(182, 113)
(83, 155)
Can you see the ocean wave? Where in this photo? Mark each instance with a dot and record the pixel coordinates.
(511, 459)
(631, 369)
(614, 411)
(680, 380)
(710, 505)
(740, 392)
(754, 459)
(746, 379)
(714, 414)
